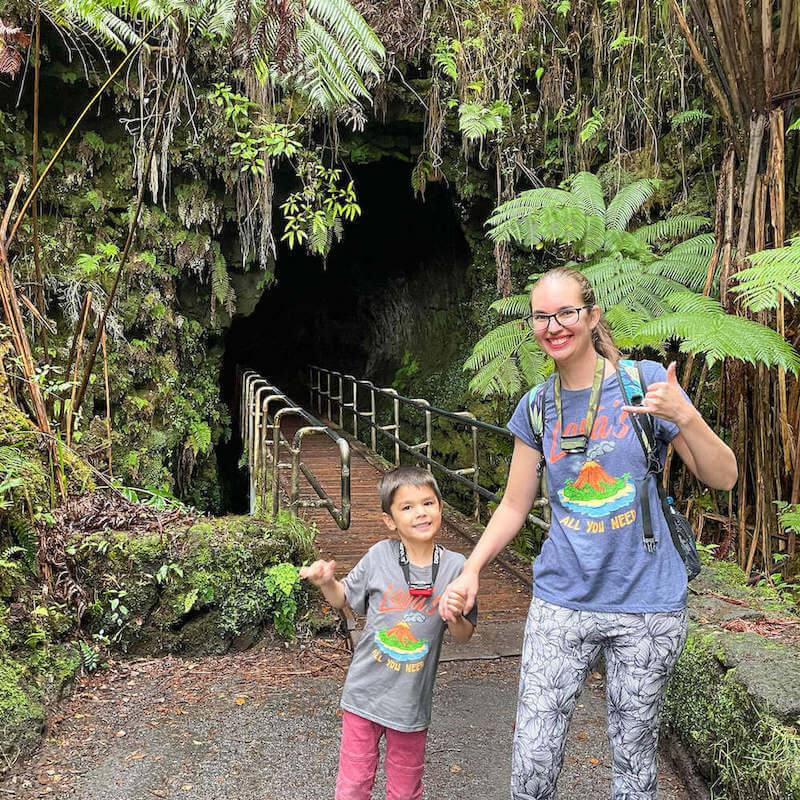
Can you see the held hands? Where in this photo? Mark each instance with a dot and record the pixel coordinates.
(458, 597)
(664, 399)
(320, 572)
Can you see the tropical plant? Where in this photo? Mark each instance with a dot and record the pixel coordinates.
(651, 292)
(322, 49)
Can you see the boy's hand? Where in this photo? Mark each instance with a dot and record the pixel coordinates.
(455, 602)
(464, 586)
(320, 572)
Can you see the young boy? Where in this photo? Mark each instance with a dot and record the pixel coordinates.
(389, 686)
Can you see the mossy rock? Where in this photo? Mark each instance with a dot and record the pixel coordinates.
(30, 680)
(197, 589)
(733, 697)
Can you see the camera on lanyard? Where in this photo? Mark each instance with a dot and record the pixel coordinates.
(418, 588)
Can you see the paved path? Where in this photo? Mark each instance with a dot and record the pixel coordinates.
(264, 726)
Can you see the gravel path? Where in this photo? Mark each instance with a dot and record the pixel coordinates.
(264, 726)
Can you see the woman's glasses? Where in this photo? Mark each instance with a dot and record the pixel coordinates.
(566, 318)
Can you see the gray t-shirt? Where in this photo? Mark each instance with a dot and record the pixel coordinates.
(391, 676)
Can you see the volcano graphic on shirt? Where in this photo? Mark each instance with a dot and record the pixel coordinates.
(595, 493)
(399, 643)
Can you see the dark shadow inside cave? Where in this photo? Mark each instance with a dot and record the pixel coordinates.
(398, 263)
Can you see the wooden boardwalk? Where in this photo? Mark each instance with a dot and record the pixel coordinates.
(502, 595)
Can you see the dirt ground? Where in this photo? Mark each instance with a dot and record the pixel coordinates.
(265, 726)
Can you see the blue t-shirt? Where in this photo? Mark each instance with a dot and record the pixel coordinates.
(593, 558)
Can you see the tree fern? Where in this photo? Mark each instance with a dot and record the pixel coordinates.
(703, 327)
(774, 273)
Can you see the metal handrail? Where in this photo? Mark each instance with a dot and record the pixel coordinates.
(263, 454)
(333, 397)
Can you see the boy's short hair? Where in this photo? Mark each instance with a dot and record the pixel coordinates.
(404, 476)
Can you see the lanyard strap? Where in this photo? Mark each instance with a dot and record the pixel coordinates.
(403, 560)
(579, 442)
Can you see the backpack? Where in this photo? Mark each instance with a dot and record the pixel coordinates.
(634, 388)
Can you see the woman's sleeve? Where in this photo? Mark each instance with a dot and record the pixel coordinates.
(520, 424)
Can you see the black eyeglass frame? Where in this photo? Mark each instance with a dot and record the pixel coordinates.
(529, 320)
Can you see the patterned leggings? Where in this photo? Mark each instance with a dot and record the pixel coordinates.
(559, 648)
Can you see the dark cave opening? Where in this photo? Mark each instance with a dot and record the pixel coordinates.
(398, 262)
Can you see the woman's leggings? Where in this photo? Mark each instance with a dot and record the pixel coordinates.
(559, 649)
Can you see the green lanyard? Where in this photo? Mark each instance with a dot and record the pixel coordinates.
(579, 442)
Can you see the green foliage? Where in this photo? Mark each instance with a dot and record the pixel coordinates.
(476, 121)
(444, 56)
(336, 48)
(703, 326)
(691, 116)
(775, 273)
(314, 215)
(650, 292)
(282, 583)
(592, 127)
(631, 279)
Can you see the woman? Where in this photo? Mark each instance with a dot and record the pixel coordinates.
(599, 583)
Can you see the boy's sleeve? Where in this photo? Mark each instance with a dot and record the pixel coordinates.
(472, 615)
(355, 585)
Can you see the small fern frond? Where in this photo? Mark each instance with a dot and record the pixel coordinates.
(515, 305)
(510, 218)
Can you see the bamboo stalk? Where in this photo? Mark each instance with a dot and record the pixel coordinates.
(10, 207)
(34, 174)
(87, 299)
(753, 155)
(108, 403)
(70, 410)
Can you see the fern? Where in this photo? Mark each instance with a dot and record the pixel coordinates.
(704, 327)
(27, 538)
(586, 187)
(592, 126)
(671, 228)
(628, 201)
(774, 273)
(691, 116)
(514, 305)
(628, 275)
(475, 121)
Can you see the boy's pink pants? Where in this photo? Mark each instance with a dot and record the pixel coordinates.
(358, 759)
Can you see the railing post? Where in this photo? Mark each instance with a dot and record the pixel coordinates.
(328, 376)
(355, 408)
(372, 429)
(476, 467)
(396, 405)
(341, 404)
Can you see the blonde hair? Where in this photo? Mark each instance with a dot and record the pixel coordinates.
(602, 338)
(404, 476)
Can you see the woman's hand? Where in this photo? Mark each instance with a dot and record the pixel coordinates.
(459, 596)
(665, 399)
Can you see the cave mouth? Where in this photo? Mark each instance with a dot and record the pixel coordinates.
(400, 262)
